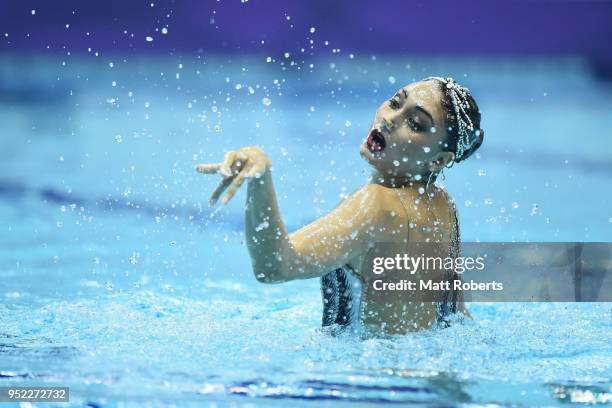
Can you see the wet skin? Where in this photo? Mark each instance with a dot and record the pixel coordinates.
(405, 145)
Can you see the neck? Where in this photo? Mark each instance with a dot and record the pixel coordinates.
(401, 181)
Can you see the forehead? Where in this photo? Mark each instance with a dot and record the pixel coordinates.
(427, 95)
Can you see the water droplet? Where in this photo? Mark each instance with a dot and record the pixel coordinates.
(134, 258)
(262, 226)
(467, 203)
(347, 123)
(515, 205)
(164, 30)
(392, 79)
(417, 177)
(118, 139)
(33, 12)
(426, 149)
(610, 220)
(481, 172)
(421, 190)
(312, 30)
(148, 38)
(266, 101)
(396, 163)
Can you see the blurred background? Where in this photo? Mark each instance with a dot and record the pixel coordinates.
(106, 107)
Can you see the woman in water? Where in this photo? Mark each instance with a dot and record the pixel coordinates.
(425, 127)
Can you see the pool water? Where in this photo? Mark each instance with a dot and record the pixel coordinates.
(119, 281)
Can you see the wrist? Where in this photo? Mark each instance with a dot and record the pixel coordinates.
(263, 179)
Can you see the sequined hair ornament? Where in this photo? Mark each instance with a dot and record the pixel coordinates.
(459, 95)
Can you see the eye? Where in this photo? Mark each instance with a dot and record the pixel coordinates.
(414, 125)
(394, 102)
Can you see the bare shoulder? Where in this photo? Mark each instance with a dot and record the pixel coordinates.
(367, 194)
(377, 195)
(375, 191)
(384, 203)
(371, 202)
(445, 195)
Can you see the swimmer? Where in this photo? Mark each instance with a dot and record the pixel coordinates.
(425, 127)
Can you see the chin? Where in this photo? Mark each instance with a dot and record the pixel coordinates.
(369, 156)
(373, 159)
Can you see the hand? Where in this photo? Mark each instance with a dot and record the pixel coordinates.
(238, 165)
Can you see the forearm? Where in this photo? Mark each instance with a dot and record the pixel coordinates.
(272, 254)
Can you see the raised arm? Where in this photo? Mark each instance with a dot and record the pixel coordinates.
(315, 249)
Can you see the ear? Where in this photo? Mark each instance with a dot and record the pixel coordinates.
(440, 161)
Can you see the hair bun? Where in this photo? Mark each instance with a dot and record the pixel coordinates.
(474, 147)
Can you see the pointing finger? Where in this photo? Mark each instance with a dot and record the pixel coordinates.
(220, 189)
(208, 168)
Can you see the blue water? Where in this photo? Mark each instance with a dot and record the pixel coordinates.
(119, 281)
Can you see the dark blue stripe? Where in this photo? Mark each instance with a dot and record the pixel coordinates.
(14, 191)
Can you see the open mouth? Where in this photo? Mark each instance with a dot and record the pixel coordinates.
(376, 141)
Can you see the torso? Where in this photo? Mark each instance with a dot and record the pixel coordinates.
(413, 217)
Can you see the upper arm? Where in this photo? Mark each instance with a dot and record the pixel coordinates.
(343, 233)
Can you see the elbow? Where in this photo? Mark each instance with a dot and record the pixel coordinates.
(269, 275)
(278, 270)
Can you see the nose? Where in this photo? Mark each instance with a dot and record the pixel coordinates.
(387, 124)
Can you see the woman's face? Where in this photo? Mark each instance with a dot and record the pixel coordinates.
(408, 135)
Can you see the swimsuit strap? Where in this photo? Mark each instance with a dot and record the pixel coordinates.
(454, 242)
